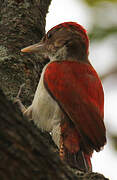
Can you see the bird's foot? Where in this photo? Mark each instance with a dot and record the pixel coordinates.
(18, 101)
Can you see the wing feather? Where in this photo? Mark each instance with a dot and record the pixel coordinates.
(77, 89)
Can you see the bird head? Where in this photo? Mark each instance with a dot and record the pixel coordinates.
(66, 41)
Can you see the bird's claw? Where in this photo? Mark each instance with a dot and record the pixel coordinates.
(17, 98)
(20, 90)
(18, 101)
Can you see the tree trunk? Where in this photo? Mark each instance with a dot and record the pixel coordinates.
(25, 152)
(22, 24)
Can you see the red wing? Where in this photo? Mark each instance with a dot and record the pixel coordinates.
(77, 89)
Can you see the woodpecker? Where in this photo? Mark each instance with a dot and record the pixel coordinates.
(69, 100)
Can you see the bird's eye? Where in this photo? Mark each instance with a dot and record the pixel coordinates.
(49, 35)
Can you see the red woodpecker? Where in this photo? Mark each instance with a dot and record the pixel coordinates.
(69, 100)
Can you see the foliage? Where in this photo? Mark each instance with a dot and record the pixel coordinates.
(114, 140)
(102, 33)
(95, 2)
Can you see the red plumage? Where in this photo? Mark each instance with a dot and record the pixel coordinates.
(77, 89)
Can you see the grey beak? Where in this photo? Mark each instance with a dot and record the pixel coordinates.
(39, 47)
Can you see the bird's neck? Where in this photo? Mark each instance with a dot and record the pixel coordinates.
(60, 55)
(65, 54)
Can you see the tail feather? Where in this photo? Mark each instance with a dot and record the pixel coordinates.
(71, 149)
(78, 160)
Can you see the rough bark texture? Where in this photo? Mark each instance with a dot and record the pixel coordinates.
(22, 24)
(25, 152)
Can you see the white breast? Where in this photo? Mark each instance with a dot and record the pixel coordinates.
(45, 111)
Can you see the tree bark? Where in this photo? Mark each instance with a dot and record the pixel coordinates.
(22, 24)
(25, 151)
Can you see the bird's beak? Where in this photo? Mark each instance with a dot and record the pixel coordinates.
(39, 47)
